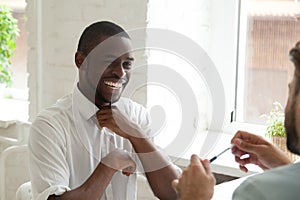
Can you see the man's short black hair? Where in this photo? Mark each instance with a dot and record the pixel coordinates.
(92, 35)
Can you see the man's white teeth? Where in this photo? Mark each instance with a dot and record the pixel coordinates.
(113, 84)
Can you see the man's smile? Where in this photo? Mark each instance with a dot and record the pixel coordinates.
(114, 85)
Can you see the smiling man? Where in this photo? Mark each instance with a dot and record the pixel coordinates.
(89, 144)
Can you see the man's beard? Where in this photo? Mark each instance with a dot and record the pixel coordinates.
(111, 100)
(290, 128)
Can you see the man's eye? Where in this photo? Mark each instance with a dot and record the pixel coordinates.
(127, 65)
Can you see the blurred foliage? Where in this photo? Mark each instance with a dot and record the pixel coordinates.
(275, 121)
(9, 32)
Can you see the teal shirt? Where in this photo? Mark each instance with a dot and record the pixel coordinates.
(282, 183)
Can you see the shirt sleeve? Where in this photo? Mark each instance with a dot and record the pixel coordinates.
(49, 172)
(248, 191)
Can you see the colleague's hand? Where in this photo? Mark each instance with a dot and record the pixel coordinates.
(119, 160)
(113, 119)
(196, 182)
(250, 148)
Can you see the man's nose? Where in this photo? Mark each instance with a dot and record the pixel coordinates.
(118, 70)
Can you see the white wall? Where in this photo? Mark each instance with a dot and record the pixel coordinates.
(54, 29)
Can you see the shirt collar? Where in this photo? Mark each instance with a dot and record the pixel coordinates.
(84, 105)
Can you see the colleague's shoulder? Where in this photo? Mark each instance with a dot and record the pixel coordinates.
(287, 174)
(280, 183)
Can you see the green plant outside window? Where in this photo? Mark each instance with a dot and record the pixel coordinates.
(275, 121)
(8, 33)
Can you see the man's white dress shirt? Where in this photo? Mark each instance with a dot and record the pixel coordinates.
(65, 146)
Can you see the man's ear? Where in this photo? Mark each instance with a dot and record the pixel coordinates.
(79, 58)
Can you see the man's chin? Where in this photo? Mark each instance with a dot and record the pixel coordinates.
(107, 98)
(294, 150)
(112, 99)
(293, 145)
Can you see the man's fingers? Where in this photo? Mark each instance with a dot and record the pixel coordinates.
(195, 160)
(243, 161)
(196, 164)
(245, 146)
(206, 165)
(175, 184)
(237, 152)
(128, 170)
(105, 112)
(243, 168)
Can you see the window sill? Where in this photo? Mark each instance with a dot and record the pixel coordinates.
(14, 109)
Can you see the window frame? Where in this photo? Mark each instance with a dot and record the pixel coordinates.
(236, 113)
(234, 125)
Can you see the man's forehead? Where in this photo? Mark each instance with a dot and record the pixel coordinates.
(113, 46)
(127, 56)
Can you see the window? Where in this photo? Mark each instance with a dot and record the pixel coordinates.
(267, 31)
(14, 105)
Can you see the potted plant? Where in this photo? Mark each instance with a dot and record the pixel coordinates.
(275, 130)
(8, 34)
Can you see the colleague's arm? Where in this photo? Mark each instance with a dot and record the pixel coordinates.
(93, 188)
(159, 171)
(250, 148)
(196, 182)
